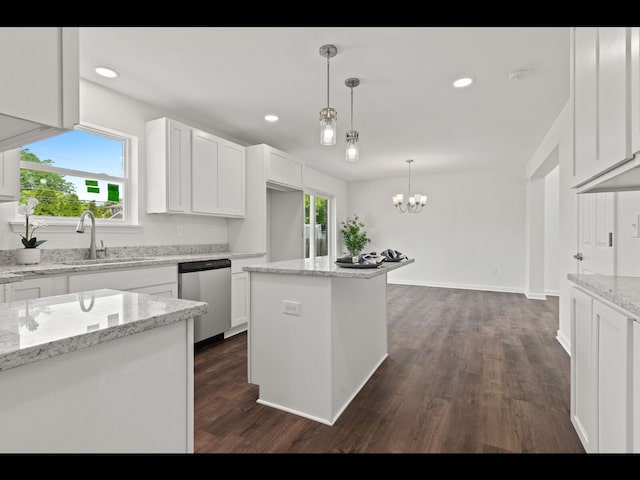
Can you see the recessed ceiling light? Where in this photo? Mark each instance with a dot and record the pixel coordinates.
(463, 82)
(271, 118)
(106, 72)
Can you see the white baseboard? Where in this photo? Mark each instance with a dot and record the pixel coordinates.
(552, 293)
(462, 286)
(564, 341)
(235, 330)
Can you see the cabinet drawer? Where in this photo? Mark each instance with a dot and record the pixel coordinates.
(237, 265)
(124, 279)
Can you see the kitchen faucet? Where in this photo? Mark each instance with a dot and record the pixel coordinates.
(80, 229)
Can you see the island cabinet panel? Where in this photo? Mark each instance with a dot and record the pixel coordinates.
(129, 395)
(636, 387)
(312, 362)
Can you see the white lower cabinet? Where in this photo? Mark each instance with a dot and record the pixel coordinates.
(614, 386)
(239, 298)
(602, 384)
(636, 387)
(161, 280)
(36, 288)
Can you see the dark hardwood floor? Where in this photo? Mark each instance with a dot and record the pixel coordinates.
(467, 372)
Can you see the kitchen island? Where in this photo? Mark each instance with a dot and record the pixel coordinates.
(101, 371)
(317, 333)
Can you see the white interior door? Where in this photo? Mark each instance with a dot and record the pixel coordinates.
(596, 227)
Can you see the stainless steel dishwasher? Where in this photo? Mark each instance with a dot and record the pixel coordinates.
(208, 281)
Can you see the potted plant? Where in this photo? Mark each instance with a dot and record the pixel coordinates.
(30, 253)
(354, 235)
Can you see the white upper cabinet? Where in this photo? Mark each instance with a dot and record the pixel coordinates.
(585, 93)
(601, 80)
(635, 90)
(283, 169)
(40, 83)
(217, 175)
(168, 145)
(10, 175)
(191, 171)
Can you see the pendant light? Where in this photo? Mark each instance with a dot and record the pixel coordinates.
(328, 115)
(415, 203)
(352, 135)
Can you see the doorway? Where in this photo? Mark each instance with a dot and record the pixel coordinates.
(317, 225)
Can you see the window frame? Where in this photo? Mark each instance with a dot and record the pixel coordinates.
(129, 153)
(331, 224)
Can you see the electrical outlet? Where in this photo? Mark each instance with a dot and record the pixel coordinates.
(494, 271)
(290, 308)
(178, 231)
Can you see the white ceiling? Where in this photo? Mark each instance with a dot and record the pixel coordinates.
(228, 78)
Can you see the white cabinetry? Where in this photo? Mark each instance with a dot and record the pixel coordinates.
(614, 386)
(601, 63)
(168, 166)
(283, 169)
(36, 288)
(601, 375)
(635, 89)
(40, 83)
(217, 175)
(584, 393)
(636, 387)
(240, 293)
(10, 175)
(190, 171)
(161, 280)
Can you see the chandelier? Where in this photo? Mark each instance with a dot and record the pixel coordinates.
(415, 203)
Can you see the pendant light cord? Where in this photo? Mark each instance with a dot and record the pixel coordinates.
(328, 81)
(351, 108)
(409, 181)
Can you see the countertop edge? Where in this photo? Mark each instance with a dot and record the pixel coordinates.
(49, 269)
(77, 342)
(342, 273)
(608, 287)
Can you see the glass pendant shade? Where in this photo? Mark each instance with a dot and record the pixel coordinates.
(328, 125)
(352, 146)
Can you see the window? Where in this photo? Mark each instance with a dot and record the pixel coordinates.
(316, 230)
(84, 169)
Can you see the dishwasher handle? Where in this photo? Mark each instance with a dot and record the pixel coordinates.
(202, 265)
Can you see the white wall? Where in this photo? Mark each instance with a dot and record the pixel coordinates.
(628, 247)
(559, 141)
(552, 232)
(471, 227)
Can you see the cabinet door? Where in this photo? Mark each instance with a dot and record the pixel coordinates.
(178, 168)
(165, 290)
(613, 145)
(10, 175)
(231, 179)
(614, 367)
(204, 172)
(585, 91)
(584, 370)
(239, 298)
(635, 89)
(276, 167)
(294, 173)
(32, 288)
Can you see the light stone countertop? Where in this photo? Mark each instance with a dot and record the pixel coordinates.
(619, 290)
(32, 330)
(17, 273)
(324, 267)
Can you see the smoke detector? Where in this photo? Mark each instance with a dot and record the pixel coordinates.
(518, 74)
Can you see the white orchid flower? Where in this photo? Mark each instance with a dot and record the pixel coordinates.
(22, 209)
(27, 208)
(36, 224)
(32, 202)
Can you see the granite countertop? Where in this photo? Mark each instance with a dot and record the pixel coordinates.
(621, 291)
(32, 330)
(324, 267)
(17, 273)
